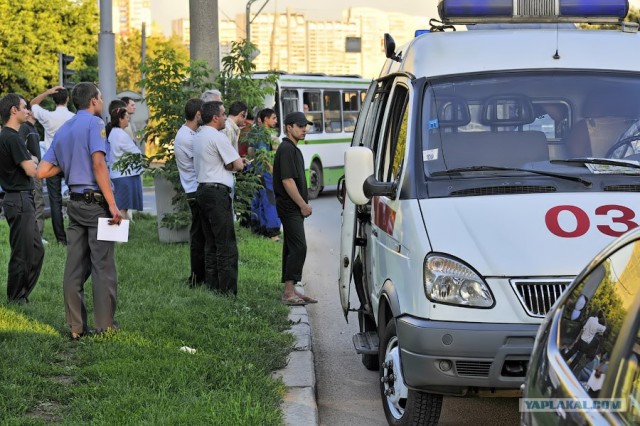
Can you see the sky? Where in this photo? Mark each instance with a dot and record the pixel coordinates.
(164, 11)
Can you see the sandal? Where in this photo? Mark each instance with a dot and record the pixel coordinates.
(294, 301)
(307, 298)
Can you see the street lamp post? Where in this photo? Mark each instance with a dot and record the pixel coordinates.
(248, 17)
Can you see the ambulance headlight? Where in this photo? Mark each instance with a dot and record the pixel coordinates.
(451, 282)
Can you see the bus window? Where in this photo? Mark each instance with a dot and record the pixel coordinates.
(289, 102)
(332, 112)
(363, 95)
(350, 106)
(313, 110)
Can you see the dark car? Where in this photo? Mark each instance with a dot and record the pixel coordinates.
(584, 365)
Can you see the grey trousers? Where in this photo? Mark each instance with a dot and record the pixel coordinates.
(39, 202)
(86, 256)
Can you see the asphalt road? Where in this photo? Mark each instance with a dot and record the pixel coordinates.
(347, 393)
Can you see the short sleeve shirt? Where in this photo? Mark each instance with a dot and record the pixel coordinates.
(183, 148)
(289, 164)
(72, 149)
(51, 120)
(211, 152)
(13, 151)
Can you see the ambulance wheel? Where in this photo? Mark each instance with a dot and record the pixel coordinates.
(403, 406)
(315, 180)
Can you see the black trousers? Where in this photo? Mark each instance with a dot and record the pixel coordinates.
(54, 187)
(27, 252)
(294, 249)
(221, 252)
(197, 241)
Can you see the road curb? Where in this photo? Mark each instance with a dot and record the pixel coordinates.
(299, 376)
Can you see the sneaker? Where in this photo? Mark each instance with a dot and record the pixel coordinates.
(44, 242)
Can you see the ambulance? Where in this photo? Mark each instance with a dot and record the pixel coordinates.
(486, 169)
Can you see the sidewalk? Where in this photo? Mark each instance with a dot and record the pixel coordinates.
(299, 405)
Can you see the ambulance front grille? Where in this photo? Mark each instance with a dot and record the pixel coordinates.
(536, 8)
(538, 296)
(473, 368)
(498, 190)
(622, 188)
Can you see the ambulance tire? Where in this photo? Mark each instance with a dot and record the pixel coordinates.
(315, 180)
(417, 408)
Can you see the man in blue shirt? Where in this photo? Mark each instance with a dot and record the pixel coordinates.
(79, 149)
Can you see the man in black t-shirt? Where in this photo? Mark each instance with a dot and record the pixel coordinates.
(292, 204)
(17, 167)
(30, 135)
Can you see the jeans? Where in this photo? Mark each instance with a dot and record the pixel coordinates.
(221, 253)
(54, 186)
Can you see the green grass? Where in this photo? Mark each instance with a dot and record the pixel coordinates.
(138, 375)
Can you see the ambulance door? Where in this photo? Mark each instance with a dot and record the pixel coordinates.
(392, 147)
(366, 134)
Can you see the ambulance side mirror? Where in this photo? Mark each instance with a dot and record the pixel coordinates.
(359, 176)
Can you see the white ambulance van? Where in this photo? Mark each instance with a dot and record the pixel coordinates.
(486, 169)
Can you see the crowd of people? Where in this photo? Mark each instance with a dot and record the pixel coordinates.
(82, 150)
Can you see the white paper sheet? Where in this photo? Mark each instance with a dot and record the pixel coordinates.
(118, 233)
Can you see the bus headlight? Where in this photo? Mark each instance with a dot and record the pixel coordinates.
(449, 281)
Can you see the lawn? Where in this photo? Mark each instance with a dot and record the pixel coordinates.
(139, 375)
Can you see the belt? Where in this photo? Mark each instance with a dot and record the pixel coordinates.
(89, 196)
(27, 191)
(214, 185)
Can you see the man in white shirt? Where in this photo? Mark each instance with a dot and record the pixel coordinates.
(215, 160)
(52, 121)
(594, 325)
(235, 121)
(183, 148)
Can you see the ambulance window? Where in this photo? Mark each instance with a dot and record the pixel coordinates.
(375, 112)
(395, 136)
(552, 118)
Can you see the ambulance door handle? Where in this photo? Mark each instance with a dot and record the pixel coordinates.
(374, 232)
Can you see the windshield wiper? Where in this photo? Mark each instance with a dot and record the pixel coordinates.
(604, 161)
(510, 169)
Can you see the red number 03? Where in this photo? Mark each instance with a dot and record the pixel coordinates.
(625, 217)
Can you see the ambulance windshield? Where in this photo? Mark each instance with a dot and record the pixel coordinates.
(546, 121)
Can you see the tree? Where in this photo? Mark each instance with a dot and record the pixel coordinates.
(129, 56)
(32, 32)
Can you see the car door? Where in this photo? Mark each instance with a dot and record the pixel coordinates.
(367, 127)
(391, 150)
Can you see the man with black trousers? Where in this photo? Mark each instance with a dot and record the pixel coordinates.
(17, 167)
(292, 204)
(52, 121)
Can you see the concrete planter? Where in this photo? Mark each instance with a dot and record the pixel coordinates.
(164, 194)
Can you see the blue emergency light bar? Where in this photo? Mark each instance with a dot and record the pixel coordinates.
(515, 11)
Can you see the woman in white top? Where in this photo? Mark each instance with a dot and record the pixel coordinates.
(127, 186)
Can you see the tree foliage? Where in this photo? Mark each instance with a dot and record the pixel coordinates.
(129, 56)
(32, 32)
(236, 81)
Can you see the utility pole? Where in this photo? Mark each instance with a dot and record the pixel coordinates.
(106, 55)
(205, 38)
(248, 20)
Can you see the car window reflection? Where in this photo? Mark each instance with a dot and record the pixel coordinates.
(594, 314)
